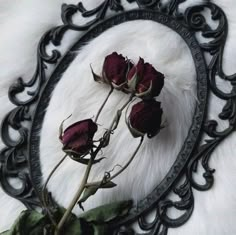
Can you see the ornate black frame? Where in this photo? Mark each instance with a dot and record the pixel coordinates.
(20, 158)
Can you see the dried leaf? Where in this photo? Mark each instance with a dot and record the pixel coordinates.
(28, 223)
(109, 184)
(93, 222)
(88, 192)
(108, 212)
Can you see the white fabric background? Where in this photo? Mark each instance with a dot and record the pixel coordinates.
(21, 25)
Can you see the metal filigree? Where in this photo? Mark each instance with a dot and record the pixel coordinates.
(20, 158)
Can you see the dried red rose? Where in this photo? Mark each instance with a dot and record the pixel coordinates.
(145, 118)
(145, 80)
(115, 69)
(77, 139)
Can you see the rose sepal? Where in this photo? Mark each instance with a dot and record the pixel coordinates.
(132, 83)
(146, 94)
(97, 78)
(119, 87)
(135, 133)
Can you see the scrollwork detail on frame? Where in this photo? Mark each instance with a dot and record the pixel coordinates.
(204, 137)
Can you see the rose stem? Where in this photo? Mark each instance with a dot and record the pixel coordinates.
(119, 111)
(88, 169)
(78, 193)
(101, 108)
(44, 190)
(121, 170)
(130, 160)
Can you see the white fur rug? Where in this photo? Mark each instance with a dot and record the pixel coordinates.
(21, 25)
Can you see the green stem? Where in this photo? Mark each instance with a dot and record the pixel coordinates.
(44, 191)
(105, 101)
(76, 197)
(116, 119)
(128, 163)
(120, 171)
(83, 184)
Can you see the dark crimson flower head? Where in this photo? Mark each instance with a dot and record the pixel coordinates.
(77, 139)
(145, 118)
(145, 80)
(115, 69)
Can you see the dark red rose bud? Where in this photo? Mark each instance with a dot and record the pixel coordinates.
(77, 139)
(145, 80)
(115, 69)
(145, 118)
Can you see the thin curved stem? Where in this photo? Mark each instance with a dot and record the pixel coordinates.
(83, 184)
(128, 163)
(121, 170)
(44, 191)
(116, 119)
(105, 101)
(76, 197)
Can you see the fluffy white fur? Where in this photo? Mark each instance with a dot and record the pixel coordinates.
(22, 24)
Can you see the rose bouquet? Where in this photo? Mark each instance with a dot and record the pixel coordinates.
(143, 83)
